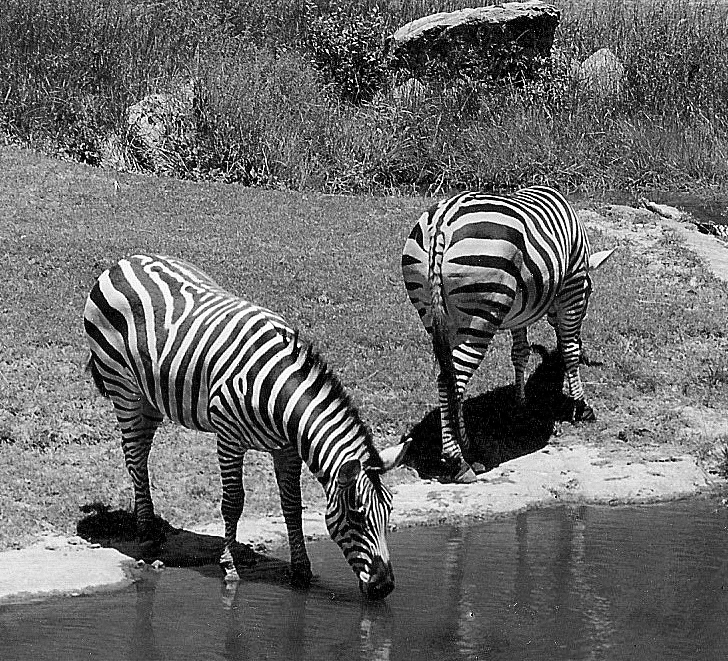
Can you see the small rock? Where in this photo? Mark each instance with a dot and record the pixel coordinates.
(663, 210)
(158, 565)
(602, 74)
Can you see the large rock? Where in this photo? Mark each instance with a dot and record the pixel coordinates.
(497, 41)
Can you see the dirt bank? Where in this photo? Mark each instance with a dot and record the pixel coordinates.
(617, 470)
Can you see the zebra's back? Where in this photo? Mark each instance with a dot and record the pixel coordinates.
(164, 326)
(493, 262)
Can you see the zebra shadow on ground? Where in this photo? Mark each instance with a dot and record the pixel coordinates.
(498, 428)
(181, 548)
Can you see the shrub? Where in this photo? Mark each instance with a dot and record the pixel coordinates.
(287, 95)
(260, 113)
(348, 50)
(70, 68)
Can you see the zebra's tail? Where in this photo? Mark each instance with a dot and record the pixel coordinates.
(96, 375)
(441, 342)
(438, 310)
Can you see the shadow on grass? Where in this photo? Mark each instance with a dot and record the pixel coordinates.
(181, 548)
(498, 428)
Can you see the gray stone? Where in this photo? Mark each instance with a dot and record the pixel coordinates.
(601, 75)
(160, 129)
(499, 40)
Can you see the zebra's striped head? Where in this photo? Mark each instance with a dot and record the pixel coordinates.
(357, 516)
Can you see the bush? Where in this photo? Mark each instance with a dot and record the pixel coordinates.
(348, 50)
(287, 95)
(260, 115)
(70, 68)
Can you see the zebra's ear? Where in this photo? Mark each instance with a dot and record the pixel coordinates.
(393, 456)
(348, 473)
(598, 258)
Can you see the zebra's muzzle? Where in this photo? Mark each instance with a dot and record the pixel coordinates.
(381, 580)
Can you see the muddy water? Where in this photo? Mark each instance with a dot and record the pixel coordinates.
(647, 583)
(713, 210)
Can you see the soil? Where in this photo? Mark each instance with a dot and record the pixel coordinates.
(618, 471)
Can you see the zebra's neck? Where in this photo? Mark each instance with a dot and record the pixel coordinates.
(339, 441)
(322, 421)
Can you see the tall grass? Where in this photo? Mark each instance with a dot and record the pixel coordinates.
(276, 79)
(69, 68)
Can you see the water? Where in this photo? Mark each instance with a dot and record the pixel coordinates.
(591, 583)
(711, 210)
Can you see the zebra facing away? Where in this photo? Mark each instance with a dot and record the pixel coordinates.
(167, 341)
(475, 264)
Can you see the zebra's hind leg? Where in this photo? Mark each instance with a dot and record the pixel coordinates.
(138, 420)
(287, 464)
(230, 455)
(466, 358)
(454, 437)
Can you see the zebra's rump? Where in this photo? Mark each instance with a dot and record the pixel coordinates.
(165, 327)
(492, 262)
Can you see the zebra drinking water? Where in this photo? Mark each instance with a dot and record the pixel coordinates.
(166, 340)
(475, 264)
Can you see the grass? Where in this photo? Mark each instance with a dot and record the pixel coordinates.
(330, 265)
(274, 80)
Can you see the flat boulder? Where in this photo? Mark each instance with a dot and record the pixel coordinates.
(496, 41)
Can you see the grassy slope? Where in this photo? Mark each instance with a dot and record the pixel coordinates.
(328, 264)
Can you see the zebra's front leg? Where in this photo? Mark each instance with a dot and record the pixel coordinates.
(569, 343)
(138, 421)
(230, 456)
(580, 410)
(287, 465)
(454, 436)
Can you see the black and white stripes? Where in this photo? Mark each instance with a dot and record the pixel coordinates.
(167, 341)
(475, 264)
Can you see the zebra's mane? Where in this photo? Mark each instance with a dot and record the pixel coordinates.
(316, 363)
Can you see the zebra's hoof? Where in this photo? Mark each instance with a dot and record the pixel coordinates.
(465, 474)
(583, 412)
(231, 575)
(301, 577)
(151, 536)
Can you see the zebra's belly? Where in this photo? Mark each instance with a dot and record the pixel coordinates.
(246, 428)
(522, 318)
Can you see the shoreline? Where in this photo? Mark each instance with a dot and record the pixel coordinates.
(559, 474)
(566, 471)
